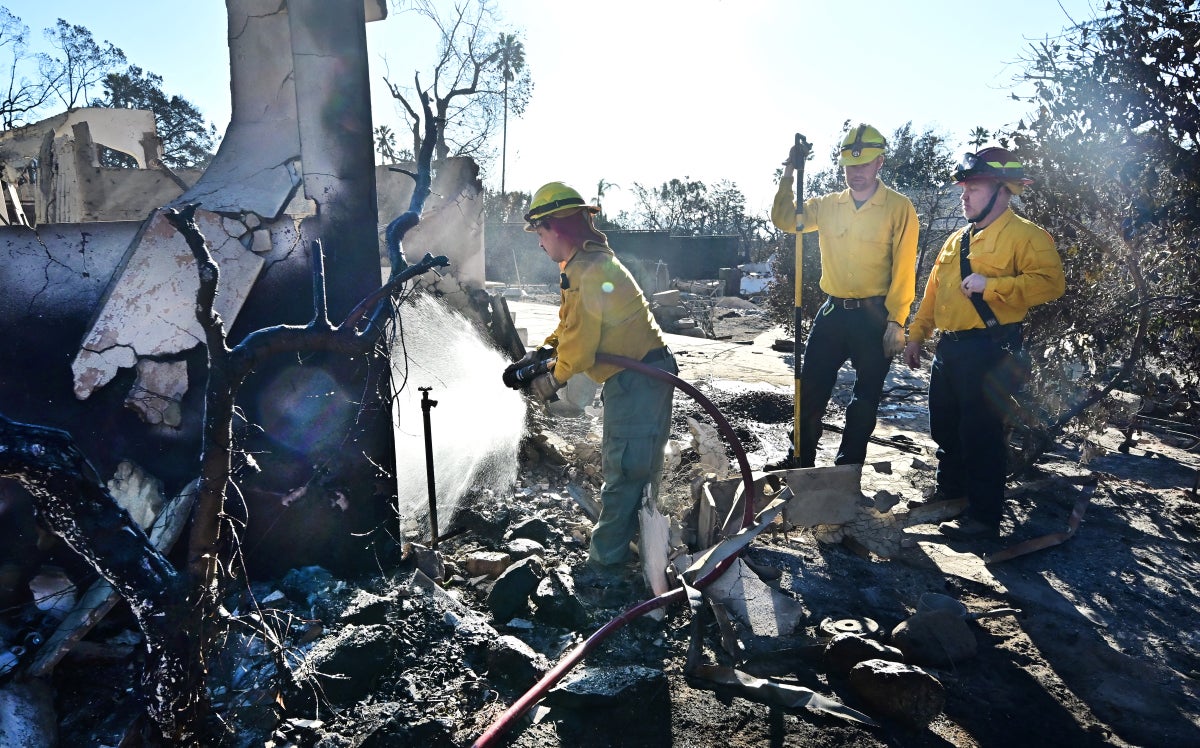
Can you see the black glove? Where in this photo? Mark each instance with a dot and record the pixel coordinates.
(534, 363)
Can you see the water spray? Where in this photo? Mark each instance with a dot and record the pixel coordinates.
(533, 695)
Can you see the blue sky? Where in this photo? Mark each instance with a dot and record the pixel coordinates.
(648, 90)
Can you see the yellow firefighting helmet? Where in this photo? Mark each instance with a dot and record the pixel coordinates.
(554, 197)
(861, 146)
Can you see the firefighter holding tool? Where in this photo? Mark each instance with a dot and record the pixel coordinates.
(868, 244)
(985, 279)
(603, 310)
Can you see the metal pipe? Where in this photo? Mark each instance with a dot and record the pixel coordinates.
(534, 694)
(426, 404)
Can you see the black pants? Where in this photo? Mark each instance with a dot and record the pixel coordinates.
(840, 335)
(971, 394)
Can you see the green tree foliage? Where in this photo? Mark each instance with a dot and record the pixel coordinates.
(187, 141)
(80, 62)
(513, 255)
(686, 207)
(21, 95)
(1113, 147)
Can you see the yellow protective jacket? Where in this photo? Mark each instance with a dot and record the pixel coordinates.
(867, 251)
(1021, 265)
(603, 311)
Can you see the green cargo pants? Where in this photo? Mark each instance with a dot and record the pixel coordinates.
(637, 422)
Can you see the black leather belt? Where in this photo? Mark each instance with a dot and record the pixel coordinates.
(658, 354)
(856, 303)
(998, 331)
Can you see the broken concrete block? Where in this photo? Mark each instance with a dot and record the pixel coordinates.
(763, 612)
(824, 496)
(233, 227)
(898, 691)
(667, 298)
(260, 242)
(654, 547)
(553, 448)
(160, 274)
(157, 394)
(519, 548)
(490, 564)
(138, 492)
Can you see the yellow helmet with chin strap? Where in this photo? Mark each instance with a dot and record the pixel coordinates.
(552, 198)
(863, 144)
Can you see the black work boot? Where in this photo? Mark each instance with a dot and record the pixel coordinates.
(969, 528)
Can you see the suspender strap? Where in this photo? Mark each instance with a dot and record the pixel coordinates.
(964, 260)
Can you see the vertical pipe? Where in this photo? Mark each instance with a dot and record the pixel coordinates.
(426, 404)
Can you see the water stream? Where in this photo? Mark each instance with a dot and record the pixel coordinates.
(476, 425)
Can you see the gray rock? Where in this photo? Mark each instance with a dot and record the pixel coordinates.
(524, 548)
(844, 651)
(898, 691)
(512, 660)
(348, 665)
(509, 596)
(533, 528)
(557, 604)
(366, 608)
(937, 637)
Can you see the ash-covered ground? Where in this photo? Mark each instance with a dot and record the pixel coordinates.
(1101, 649)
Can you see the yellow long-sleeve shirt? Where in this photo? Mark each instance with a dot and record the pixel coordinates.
(867, 251)
(1021, 265)
(602, 311)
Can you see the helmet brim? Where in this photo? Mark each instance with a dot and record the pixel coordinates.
(531, 219)
(866, 156)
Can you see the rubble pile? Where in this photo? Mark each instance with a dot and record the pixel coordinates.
(826, 644)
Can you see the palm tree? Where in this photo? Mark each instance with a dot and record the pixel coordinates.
(512, 61)
(385, 144)
(979, 136)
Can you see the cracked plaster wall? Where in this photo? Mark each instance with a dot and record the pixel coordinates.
(126, 289)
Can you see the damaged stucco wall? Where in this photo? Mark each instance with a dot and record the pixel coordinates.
(451, 224)
(296, 164)
(52, 168)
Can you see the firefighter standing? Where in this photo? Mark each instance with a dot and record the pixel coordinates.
(985, 279)
(604, 311)
(868, 241)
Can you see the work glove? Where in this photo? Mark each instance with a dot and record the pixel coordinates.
(546, 387)
(893, 339)
(538, 354)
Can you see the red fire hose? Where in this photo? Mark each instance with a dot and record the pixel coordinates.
(533, 695)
